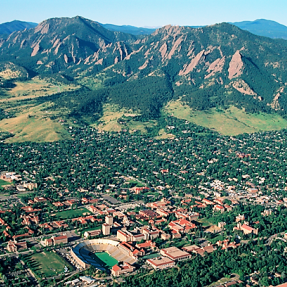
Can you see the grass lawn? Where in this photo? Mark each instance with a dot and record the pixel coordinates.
(205, 222)
(150, 256)
(105, 259)
(72, 213)
(3, 182)
(30, 195)
(47, 264)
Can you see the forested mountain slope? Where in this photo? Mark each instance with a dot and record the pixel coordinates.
(213, 67)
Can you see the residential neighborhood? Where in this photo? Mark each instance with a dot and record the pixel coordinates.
(120, 212)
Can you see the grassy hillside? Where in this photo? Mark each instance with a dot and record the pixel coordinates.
(36, 87)
(116, 119)
(33, 124)
(29, 120)
(232, 121)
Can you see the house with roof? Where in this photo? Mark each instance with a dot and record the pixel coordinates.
(59, 224)
(130, 250)
(161, 262)
(58, 204)
(225, 244)
(40, 199)
(60, 239)
(46, 226)
(92, 233)
(219, 208)
(14, 246)
(146, 245)
(199, 250)
(149, 214)
(30, 209)
(175, 253)
(123, 268)
(181, 226)
(246, 229)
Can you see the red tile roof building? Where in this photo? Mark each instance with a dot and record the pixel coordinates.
(117, 270)
(161, 262)
(175, 253)
(181, 226)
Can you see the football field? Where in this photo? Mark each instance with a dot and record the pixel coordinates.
(105, 259)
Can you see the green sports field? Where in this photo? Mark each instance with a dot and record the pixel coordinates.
(105, 259)
(72, 213)
(3, 182)
(47, 264)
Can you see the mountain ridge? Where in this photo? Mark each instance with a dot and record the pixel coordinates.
(263, 27)
(216, 66)
(16, 25)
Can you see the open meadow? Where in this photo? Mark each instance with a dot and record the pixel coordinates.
(232, 121)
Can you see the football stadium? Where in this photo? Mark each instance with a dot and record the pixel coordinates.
(101, 253)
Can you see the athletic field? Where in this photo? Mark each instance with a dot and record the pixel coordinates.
(105, 259)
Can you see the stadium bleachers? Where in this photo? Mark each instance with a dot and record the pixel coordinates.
(83, 252)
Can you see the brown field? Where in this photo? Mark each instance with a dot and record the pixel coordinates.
(33, 124)
(35, 88)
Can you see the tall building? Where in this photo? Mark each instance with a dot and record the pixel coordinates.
(109, 219)
(106, 229)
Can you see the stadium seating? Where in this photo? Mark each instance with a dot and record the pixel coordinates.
(83, 251)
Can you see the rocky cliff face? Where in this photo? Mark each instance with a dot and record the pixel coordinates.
(220, 63)
(60, 43)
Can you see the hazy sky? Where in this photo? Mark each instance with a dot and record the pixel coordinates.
(146, 12)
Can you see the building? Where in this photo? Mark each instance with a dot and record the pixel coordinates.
(109, 219)
(221, 224)
(175, 253)
(40, 199)
(60, 239)
(30, 185)
(161, 262)
(20, 188)
(88, 280)
(239, 217)
(92, 233)
(218, 208)
(106, 229)
(48, 242)
(58, 204)
(124, 235)
(199, 250)
(193, 215)
(181, 226)
(14, 246)
(150, 233)
(138, 234)
(130, 250)
(165, 236)
(147, 213)
(246, 229)
(162, 212)
(117, 270)
(146, 245)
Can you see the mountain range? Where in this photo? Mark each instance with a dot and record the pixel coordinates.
(260, 27)
(16, 25)
(212, 67)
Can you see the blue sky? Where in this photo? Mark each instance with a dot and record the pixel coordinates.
(146, 12)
